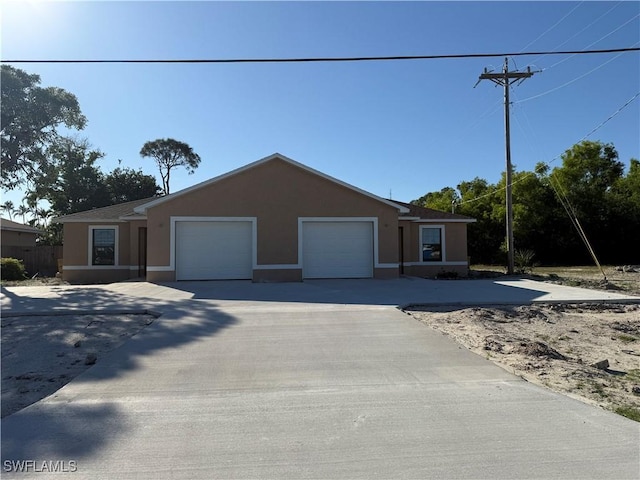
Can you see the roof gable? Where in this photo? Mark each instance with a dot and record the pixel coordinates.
(141, 209)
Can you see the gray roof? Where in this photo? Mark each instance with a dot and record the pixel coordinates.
(112, 213)
(431, 214)
(17, 227)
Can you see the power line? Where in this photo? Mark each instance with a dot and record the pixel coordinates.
(552, 26)
(524, 177)
(330, 59)
(583, 29)
(597, 41)
(569, 82)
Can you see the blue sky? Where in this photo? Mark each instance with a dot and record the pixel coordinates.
(408, 127)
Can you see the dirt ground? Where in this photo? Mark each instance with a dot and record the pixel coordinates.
(41, 354)
(556, 345)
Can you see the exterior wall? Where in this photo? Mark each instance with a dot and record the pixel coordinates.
(134, 253)
(277, 194)
(77, 266)
(18, 239)
(455, 248)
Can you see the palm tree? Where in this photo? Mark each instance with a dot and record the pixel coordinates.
(43, 215)
(22, 210)
(8, 208)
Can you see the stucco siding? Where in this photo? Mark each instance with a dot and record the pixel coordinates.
(277, 194)
(77, 267)
(455, 248)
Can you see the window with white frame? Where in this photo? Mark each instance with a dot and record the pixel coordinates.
(103, 245)
(432, 243)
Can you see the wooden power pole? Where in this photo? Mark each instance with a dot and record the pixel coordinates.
(506, 78)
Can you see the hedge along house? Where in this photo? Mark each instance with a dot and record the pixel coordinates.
(272, 220)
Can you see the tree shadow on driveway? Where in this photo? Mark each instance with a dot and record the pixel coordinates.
(85, 416)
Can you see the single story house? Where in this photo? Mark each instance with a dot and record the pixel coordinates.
(272, 220)
(14, 234)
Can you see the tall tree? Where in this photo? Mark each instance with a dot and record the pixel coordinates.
(589, 171)
(29, 119)
(126, 184)
(442, 200)
(8, 208)
(168, 154)
(74, 183)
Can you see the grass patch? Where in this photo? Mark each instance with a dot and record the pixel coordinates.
(628, 411)
(33, 282)
(626, 338)
(633, 375)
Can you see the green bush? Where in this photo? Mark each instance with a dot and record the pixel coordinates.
(523, 260)
(12, 269)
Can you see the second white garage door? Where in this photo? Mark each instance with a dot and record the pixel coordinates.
(214, 250)
(337, 249)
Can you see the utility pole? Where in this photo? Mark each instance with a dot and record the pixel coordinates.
(505, 79)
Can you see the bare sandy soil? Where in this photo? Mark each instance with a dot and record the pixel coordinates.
(41, 354)
(557, 346)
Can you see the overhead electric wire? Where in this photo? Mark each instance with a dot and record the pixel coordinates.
(329, 59)
(579, 32)
(552, 26)
(602, 124)
(570, 81)
(593, 43)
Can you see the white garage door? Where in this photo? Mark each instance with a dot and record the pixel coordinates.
(216, 250)
(337, 249)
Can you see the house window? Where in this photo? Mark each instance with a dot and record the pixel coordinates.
(103, 245)
(432, 243)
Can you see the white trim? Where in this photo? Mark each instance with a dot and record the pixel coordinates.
(116, 245)
(98, 267)
(172, 243)
(443, 253)
(143, 208)
(388, 265)
(446, 220)
(161, 268)
(89, 220)
(286, 266)
(435, 264)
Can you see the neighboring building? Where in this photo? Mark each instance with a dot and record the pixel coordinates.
(14, 234)
(272, 220)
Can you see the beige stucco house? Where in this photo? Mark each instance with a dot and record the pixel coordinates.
(14, 234)
(272, 220)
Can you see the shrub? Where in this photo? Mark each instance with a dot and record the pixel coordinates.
(523, 260)
(12, 269)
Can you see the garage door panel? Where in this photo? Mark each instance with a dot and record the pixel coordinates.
(215, 250)
(337, 249)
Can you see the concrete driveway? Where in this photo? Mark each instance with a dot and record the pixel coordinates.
(320, 379)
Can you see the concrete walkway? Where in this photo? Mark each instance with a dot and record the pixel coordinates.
(322, 379)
